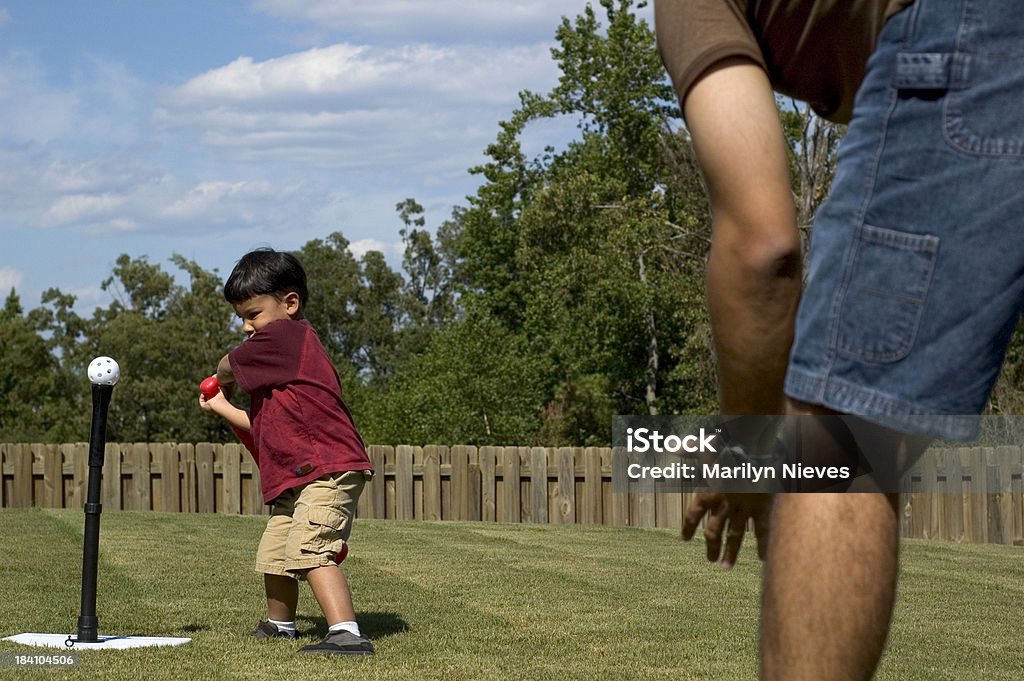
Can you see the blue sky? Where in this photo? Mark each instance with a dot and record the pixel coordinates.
(209, 128)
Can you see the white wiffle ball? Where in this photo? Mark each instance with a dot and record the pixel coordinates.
(104, 371)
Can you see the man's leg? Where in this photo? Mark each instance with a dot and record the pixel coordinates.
(829, 585)
(830, 577)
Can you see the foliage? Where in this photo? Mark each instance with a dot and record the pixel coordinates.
(476, 383)
(594, 254)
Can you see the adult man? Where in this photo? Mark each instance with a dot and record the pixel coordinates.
(915, 281)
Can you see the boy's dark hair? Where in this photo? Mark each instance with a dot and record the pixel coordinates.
(266, 272)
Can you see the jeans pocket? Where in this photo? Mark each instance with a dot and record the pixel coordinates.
(982, 113)
(881, 308)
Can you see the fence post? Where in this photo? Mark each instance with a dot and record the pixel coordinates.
(565, 497)
(590, 511)
(403, 483)
(170, 480)
(431, 483)
(955, 494)
(539, 485)
(488, 499)
(141, 496)
(460, 483)
(53, 477)
(1004, 467)
(377, 486)
(205, 486)
(511, 482)
(231, 473)
(21, 485)
(979, 493)
(113, 497)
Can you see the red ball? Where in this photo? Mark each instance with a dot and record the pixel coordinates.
(209, 387)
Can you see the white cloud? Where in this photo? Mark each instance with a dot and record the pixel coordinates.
(111, 172)
(479, 21)
(5, 17)
(388, 248)
(79, 208)
(428, 110)
(343, 76)
(222, 200)
(9, 278)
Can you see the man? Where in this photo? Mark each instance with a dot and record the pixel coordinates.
(916, 270)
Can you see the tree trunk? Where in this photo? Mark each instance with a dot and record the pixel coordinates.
(651, 374)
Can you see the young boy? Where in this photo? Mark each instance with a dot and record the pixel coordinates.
(312, 461)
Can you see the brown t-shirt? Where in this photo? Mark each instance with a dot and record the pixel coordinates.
(813, 50)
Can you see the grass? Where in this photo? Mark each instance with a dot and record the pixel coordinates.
(474, 601)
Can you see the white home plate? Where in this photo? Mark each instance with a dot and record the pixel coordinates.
(104, 642)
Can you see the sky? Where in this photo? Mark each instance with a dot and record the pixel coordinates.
(206, 129)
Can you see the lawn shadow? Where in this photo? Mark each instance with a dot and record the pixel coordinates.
(373, 625)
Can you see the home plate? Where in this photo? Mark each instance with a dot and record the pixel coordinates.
(70, 642)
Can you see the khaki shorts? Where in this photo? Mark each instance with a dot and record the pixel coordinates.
(310, 524)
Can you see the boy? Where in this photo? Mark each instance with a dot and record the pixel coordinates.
(312, 461)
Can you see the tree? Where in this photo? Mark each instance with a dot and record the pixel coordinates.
(594, 253)
(167, 337)
(813, 143)
(476, 383)
(27, 378)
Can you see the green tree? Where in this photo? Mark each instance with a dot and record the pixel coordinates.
(166, 337)
(594, 254)
(28, 412)
(476, 383)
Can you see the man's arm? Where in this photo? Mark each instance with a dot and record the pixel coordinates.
(754, 273)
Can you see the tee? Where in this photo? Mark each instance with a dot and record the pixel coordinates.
(813, 50)
(301, 426)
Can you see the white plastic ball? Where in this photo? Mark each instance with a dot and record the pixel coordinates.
(104, 371)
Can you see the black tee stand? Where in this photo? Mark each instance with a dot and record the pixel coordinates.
(88, 623)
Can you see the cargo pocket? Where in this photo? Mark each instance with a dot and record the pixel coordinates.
(325, 531)
(881, 309)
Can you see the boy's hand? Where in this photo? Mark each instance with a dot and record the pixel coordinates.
(225, 377)
(211, 403)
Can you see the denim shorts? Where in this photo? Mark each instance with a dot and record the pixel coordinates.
(916, 266)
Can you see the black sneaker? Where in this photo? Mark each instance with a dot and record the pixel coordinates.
(269, 630)
(341, 643)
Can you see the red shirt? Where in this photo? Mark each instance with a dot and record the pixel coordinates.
(301, 426)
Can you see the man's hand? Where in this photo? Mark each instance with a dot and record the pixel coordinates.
(728, 513)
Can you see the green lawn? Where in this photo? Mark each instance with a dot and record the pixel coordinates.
(474, 601)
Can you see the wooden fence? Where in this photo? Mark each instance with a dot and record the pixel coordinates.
(967, 494)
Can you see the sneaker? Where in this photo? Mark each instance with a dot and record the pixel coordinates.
(269, 630)
(341, 643)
